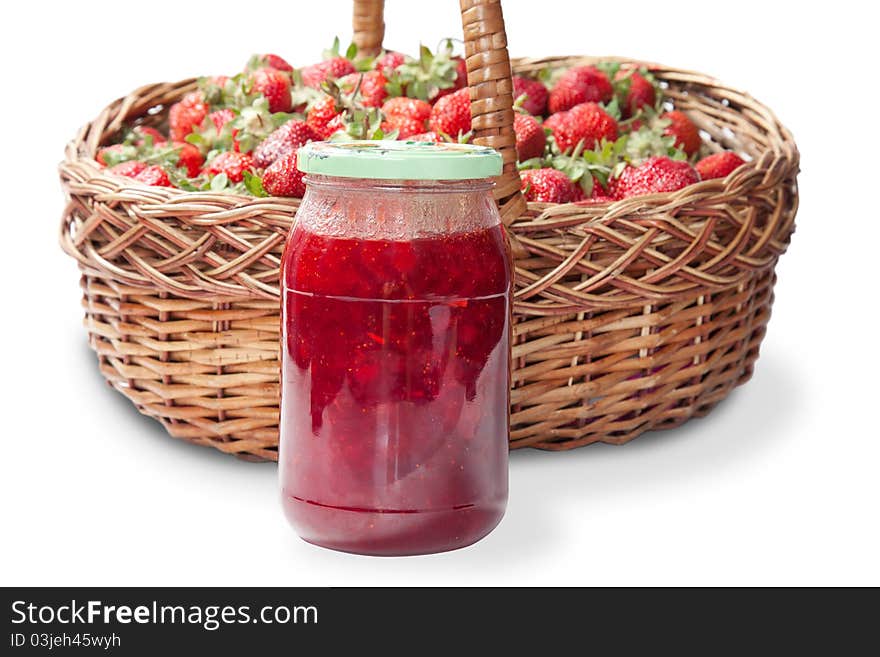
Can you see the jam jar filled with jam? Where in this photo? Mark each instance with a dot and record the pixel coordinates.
(396, 302)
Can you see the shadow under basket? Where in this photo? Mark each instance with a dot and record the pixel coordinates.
(628, 316)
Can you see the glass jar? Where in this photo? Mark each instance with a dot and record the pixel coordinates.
(396, 301)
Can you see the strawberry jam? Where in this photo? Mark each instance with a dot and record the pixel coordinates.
(395, 372)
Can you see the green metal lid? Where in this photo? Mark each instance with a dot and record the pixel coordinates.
(399, 160)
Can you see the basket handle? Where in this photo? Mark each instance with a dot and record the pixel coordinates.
(489, 80)
(368, 25)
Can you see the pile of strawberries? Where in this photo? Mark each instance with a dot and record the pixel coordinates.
(586, 134)
(594, 134)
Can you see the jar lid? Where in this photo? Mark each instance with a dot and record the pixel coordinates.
(399, 160)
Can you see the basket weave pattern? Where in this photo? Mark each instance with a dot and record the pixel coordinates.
(628, 317)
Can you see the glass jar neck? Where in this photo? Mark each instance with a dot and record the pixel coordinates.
(396, 209)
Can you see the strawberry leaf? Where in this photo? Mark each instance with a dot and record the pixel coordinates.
(333, 51)
(612, 108)
(393, 85)
(254, 184)
(247, 142)
(425, 77)
(518, 103)
(118, 155)
(195, 139)
(306, 96)
(426, 57)
(586, 183)
(364, 64)
(184, 184)
(609, 68)
(280, 118)
(533, 163)
(219, 182)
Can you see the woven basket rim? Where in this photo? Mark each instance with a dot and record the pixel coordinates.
(732, 118)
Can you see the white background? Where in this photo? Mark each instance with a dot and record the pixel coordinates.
(778, 486)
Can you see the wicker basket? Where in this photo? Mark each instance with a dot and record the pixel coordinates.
(632, 316)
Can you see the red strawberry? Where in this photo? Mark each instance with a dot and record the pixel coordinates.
(371, 92)
(282, 178)
(275, 86)
(232, 164)
(336, 124)
(186, 114)
(534, 91)
(639, 92)
(404, 126)
(389, 60)
(108, 151)
(329, 69)
(719, 165)
(587, 123)
(577, 85)
(411, 108)
(530, 137)
(654, 175)
(555, 121)
(452, 114)
(687, 136)
(190, 158)
(146, 131)
(128, 169)
(283, 141)
(221, 117)
(320, 116)
(460, 73)
(427, 136)
(155, 176)
(406, 115)
(276, 62)
(547, 186)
